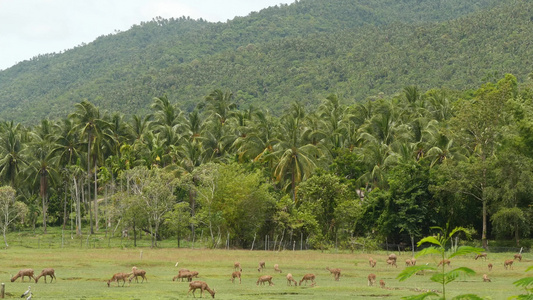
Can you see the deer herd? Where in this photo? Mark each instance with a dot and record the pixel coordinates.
(237, 273)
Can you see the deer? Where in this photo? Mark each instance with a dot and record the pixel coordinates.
(490, 267)
(371, 262)
(484, 255)
(118, 276)
(518, 256)
(392, 263)
(236, 274)
(413, 261)
(194, 285)
(444, 262)
(290, 280)
(335, 272)
(486, 278)
(392, 256)
(261, 266)
(237, 266)
(408, 263)
(136, 273)
(308, 277)
(46, 272)
(382, 283)
(22, 273)
(182, 275)
(276, 268)
(508, 263)
(371, 279)
(265, 278)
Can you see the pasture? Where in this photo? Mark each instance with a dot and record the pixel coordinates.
(83, 273)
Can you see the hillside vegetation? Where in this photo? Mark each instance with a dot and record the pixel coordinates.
(302, 51)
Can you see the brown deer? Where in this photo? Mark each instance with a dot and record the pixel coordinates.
(413, 261)
(371, 279)
(117, 277)
(290, 280)
(308, 277)
(484, 255)
(136, 273)
(486, 278)
(518, 256)
(382, 283)
(236, 274)
(276, 268)
(392, 256)
(264, 279)
(22, 273)
(335, 272)
(184, 275)
(193, 286)
(237, 266)
(261, 266)
(490, 267)
(46, 272)
(408, 263)
(392, 263)
(508, 263)
(444, 262)
(371, 262)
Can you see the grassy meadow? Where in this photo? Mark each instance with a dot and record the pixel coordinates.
(82, 274)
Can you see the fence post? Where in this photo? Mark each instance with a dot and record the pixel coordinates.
(3, 291)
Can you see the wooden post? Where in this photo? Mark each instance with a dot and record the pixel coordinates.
(3, 290)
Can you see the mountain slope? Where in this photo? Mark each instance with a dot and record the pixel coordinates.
(299, 51)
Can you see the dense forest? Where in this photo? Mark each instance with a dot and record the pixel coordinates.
(303, 51)
(384, 169)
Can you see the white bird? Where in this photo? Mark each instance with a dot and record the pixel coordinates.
(26, 292)
(29, 297)
(177, 264)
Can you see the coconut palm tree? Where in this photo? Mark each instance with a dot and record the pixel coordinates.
(12, 157)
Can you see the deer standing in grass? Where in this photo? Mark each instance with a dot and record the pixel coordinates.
(508, 263)
(484, 255)
(444, 262)
(237, 266)
(518, 256)
(308, 277)
(118, 276)
(290, 280)
(382, 283)
(265, 278)
(46, 272)
(490, 267)
(193, 286)
(371, 279)
(392, 263)
(486, 278)
(276, 268)
(236, 274)
(413, 261)
(261, 266)
(136, 273)
(335, 272)
(372, 262)
(408, 263)
(22, 273)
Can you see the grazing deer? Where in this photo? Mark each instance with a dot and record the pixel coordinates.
(486, 278)
(117, 277)
(490, 267)
(308, 277)
(290, 280)
(265, 278)
(276, 268)
(236, 274)
(408, 263)
(193, 286)
(484, 255)
(22, 273)
(335, 272)
(444, 262)
(261, 266)
(372, 262)
(413, 261)
(382, 283)
(371, 279)
(518, 256)
(46, 272)
(136, 273)
(392, 263)
(237, 266)
(392, 257)
(181, 275)
(508, 263)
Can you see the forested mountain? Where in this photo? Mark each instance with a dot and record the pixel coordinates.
(303, 51)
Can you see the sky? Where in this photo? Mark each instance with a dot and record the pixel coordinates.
(32, 27)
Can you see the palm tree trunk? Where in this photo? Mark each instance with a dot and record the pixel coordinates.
(89, 181)
(95, 196)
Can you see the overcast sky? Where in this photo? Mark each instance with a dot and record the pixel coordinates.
(32, 27)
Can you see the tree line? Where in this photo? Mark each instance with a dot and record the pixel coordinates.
(382, 170)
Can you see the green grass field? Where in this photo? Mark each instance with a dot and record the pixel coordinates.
(82, 274)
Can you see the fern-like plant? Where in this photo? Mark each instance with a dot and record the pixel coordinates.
(442, 276)
(527, 284)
